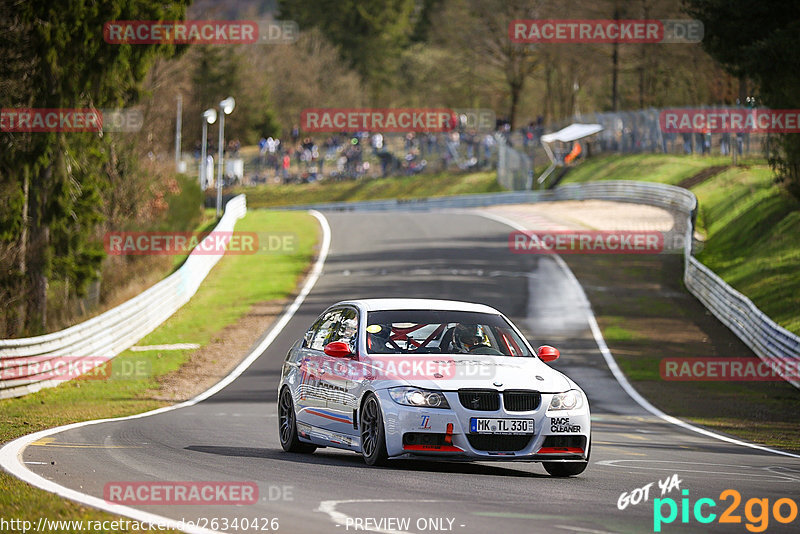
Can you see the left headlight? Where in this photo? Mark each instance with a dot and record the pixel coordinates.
(421, 398)
(569, 400)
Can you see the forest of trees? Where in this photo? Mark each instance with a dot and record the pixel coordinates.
(59, 192)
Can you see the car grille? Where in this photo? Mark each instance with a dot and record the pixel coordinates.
(484, 400)
(499, 442)
(521, 401)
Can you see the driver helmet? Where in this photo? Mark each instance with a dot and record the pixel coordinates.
(382, 331)
(468, 336)
(377, 336)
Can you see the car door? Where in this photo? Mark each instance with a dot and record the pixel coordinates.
(311, 392)
(339, 380)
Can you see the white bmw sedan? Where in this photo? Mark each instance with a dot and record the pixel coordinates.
(391, 378)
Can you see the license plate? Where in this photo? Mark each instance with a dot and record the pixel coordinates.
(479, 425)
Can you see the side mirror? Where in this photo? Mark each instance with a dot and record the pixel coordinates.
(548, 354)
(338, 349)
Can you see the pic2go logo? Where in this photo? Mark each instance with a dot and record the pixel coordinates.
(783, 511)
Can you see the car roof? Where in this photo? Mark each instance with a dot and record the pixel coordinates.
(419, 304)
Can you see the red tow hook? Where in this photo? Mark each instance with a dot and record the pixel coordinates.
(448, 437)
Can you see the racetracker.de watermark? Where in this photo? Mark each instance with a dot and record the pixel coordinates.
(205, 243)
(586, 242)
(200, 32)
(70, 120)
(181, 493)
(63, 368)
(728, 369)
(698, 120)
(395, 367)
(432, 120)
(475, 119)
(600, 31)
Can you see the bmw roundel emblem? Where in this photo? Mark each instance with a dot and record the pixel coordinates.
(497, 384)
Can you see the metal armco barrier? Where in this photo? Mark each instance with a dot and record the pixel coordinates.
(771, 342)
(114, 331)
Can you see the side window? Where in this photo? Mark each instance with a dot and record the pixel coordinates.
(309, 335)
(348, 329)
(327, 328)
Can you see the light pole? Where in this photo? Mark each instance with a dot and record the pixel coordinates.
(225, 108)
(209, 117)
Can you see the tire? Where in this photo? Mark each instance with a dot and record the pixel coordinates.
(568, 469)
(565, 469)
(287, 425)
(373, 434)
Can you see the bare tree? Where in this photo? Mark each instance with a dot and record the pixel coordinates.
(478, 30)
(306, 74)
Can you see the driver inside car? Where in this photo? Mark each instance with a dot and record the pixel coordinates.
(378, 337)
(471, 339)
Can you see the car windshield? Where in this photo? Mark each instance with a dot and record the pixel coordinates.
(442, 332)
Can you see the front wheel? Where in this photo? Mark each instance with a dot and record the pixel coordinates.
(568, 469)
(565, 469)
(373, 436)
(287, 425)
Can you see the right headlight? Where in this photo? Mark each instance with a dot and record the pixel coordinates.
(569, 400)
(421, 398)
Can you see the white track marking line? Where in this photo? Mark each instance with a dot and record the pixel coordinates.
(612, 363)
(11, 453)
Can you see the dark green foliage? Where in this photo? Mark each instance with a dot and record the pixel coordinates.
(370, 35)
(183, 213)
(760, 41)
(425, 21)
(54, 56)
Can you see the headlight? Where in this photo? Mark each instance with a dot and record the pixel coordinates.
(422, 398)
(569, 400)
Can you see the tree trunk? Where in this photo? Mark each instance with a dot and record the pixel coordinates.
(516, 89)
(641, 77)
(38, 251)
(614, 76)
(615, 69)
(643, 57)
(36, 315)
(19, 316)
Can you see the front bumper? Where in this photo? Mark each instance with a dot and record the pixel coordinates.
(445, 433)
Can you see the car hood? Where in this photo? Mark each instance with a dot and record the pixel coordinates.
(458, 371)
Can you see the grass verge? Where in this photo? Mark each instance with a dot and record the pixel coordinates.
(221, 300)
(646, 315)
(663, 168)
(751, 228)
(422, 185)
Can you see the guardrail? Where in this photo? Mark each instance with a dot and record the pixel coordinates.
(30, 361)
(768, 340)
(771, 342)
(623, 191)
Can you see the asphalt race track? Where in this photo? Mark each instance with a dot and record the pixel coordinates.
(232, 436)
